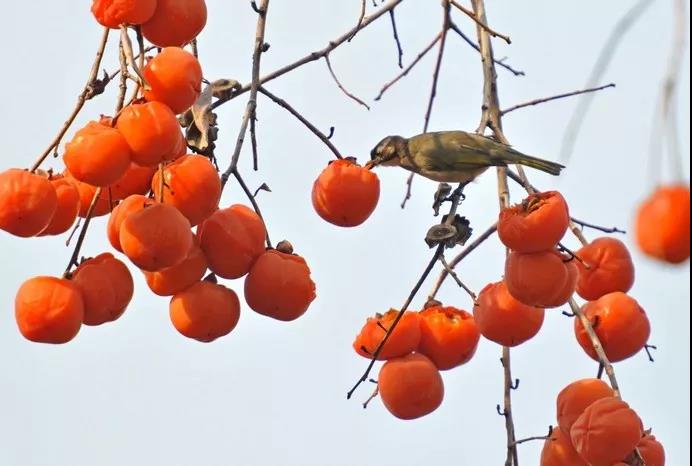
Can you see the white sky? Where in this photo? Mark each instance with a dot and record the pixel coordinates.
(135, 392)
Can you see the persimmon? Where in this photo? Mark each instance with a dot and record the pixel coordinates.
(172, 280)
(151, 130)
(49, 310)
(175, 79)
(503, 319)
(136, 180)
(535, 225)
(175, 22)
(403, 340)
(576, 397)
(620, 323)
(345, 194)
(652, 451)
(279, 284)
(192, 185)
(205, 311)
(155, 237)
(663, 224)
(104, 204)
(67, 208)
(232, 239)
(559, 451)
(133, 203)
(107, 287)
(98, 154)
(448, 336)
(410, 386)
(543, 279)
(610, 268)
(606, 432)
(27, 202)
(113, 13)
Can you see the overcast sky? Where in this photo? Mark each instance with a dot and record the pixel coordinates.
(273, 394)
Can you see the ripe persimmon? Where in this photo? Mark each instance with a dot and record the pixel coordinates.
(98, 154)
(67, 208)
(113, 13)
(663, 224)
(175, 79)
(535, 225)
(620, 323)
(172, 280)
(503, 319)
(136, 180)
(155, 237)
(27, 202)
(106, 286)
(175, 22)
(345, 194)
(652, 451)
(403, 340)
(151, 130)
(205, 311)
(606, 432)
(610, 268)
(49, 310)
(232, 239)
(410, 386)
(192, 185)
(576, 397)
(543, 279)
(448, 336)
(559, 451)
(129, 205)
(104, 204)
(279, 284)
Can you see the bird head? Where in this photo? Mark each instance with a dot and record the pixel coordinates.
(388, 151)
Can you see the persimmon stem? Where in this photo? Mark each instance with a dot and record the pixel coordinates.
(254, 203)
(82, 234)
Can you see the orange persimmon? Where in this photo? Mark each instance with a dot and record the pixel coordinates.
(133, 203)
(27, 202)
(167, 282)
(576, 397)
(610, 268)
(652, 451)
(175, 22)
(135, 180)
(67, 207)
(535, 225)
(345, 194)
(543, 279)
(448, 336)
(606, 432)
(49, 310)
(620, 323)
(403, 340)
(503, 319)
(205, 311)
(559, 451)
(175, 79)
(410, 386)
(151, 130)
(104, 204)
(113, 13)
(663, 224)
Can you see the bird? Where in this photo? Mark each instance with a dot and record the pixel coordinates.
(452, 156)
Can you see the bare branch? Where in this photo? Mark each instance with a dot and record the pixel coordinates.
(395, 33)
(438, 65)
(341, 86)
(480, 23)
(555, 97)
(253, 201)
(466, 39)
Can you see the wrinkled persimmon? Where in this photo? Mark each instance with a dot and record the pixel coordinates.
(135, 180)
(67, 208)
(606, 432)
(27, 202)
(543, 279)
(205, 311)
(113, 13)
(559, 451)
(133, 203)
(610, 268)
(663, 224)
(175, 22)
(448, 336)
(503, 319)
(151, 130)
(175, 79)
(104, 204)
(576, 397)
(620, 323)
(403, 340)
(172, 280)
(535, 225)
(652, 451)
(410, 386)
(345, 194)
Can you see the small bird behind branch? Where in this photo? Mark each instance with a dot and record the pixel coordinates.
(452, 156)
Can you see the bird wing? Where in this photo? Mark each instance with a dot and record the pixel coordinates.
(454, 150)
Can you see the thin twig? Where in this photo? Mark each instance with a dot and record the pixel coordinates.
(397, 40)
(85, 95)
(124, 76)
(584, 224)
(466, 39)
(408, 69)
(359, 24)
(438, 65)
(456, 278)
(252, 101)
(480, 23)
(539, 437)
(604, 59)
(254, 203)
(372, 396)
(313, 129)
(555, 97)
(341, 86)
(409, 188)
(82, 234)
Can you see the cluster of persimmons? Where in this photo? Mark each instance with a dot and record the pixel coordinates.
(135, 167)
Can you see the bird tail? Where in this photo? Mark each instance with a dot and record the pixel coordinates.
(547, 166)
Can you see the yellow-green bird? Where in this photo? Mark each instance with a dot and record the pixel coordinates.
(452, 156)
